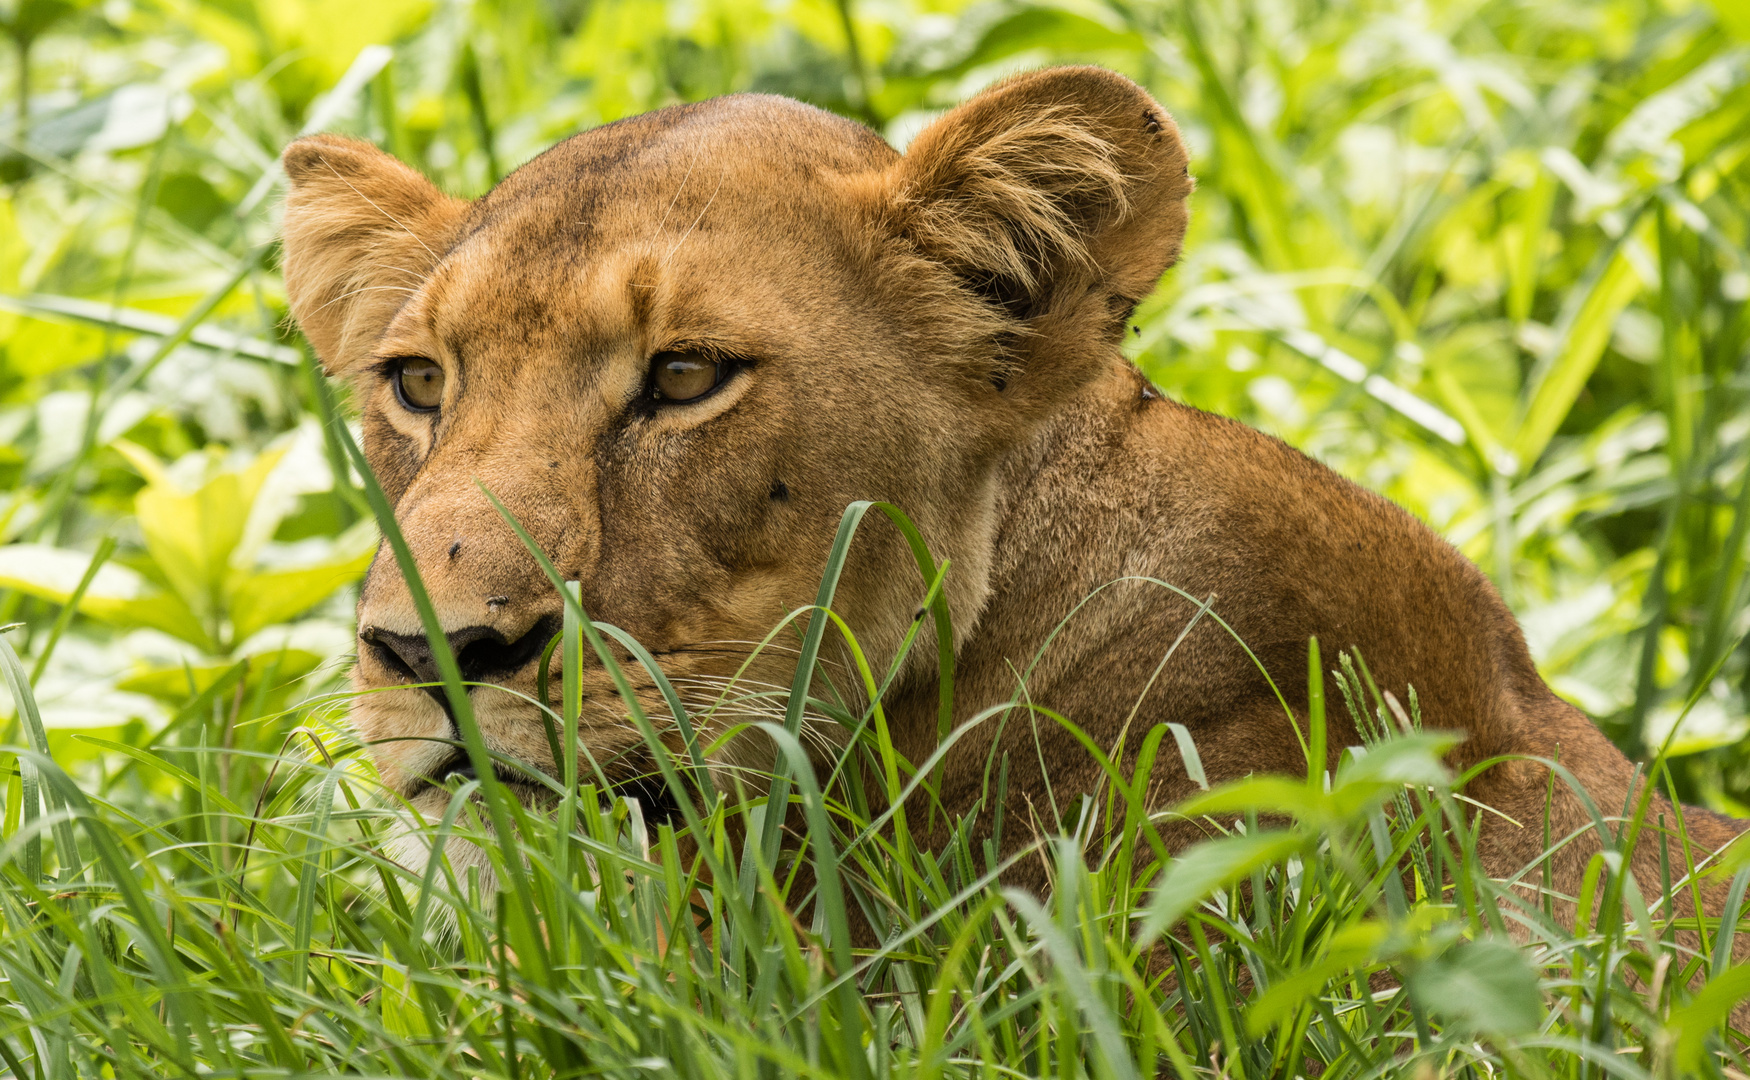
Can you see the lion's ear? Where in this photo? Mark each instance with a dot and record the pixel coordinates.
(1047, 185)
(362, 231)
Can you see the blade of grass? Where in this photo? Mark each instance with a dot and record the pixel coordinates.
(1551, 397)
(66, 846)
(105, 548)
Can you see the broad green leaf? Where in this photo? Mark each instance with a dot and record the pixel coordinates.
(1368, 777)
(144, 462)
(1486, 987)
(158, 611)
(1364, 780)
(1034, 27)
(260, 600)
(1264, 794)
(1734, 17)
(53, 573)
(1415, 758)
(1204, 868)
(118, 596)
(1690, 1024)
(1426, 930)
(192, 535)
(332, 32)
(173, 684)
(37, 348)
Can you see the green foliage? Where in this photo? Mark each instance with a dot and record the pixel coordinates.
(1358, 939)
(1489, 259)
(195, 582)
(1486, 259)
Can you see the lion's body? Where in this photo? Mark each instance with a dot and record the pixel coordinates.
(1127, 487)
(937, 330)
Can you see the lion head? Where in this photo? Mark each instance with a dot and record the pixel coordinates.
(677, 346)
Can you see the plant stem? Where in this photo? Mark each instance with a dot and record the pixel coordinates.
(23, 86)
(859, 70)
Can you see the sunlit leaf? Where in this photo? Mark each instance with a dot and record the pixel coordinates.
(1263, 794)
(117, 595)
(259, 600)
(176, 685)
(192, 535)
(1202, 869)
(1367, 777)
(1482, 986)
(1574, 364)
(1412, 758)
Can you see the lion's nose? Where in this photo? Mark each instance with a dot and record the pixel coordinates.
(483, 653)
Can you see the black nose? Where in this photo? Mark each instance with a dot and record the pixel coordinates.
(482, 652)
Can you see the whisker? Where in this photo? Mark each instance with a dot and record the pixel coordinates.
(698, 148)
(414, 274)
(695, 224)
(384, 212)
(368, 288)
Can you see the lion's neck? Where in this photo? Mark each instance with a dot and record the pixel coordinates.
(1074, 514)
(1064, 474)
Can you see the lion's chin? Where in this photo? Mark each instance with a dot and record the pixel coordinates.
(419, 850)
(421, 837)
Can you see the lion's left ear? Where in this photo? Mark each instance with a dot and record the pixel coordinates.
(362, 231)
(1048, 186)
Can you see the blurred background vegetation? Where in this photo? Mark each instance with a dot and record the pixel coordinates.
(1487, 257)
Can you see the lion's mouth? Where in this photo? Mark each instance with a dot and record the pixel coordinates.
(648, 788)
(459, 769)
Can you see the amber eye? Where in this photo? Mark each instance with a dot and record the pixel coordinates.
(420, 385)
(684, 376)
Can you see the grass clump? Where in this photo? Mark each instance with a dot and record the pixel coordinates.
(1331, 925)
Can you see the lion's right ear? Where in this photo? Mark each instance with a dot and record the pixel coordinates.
(362, 231)
(1059, 198)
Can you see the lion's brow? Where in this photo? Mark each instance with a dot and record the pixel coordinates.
(677, 193)
(701, 217)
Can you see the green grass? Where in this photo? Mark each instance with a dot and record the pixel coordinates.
(1487, 258)
(1353, 935)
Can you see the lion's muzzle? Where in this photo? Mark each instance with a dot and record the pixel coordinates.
(483, 653)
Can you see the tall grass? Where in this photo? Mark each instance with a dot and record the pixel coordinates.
(1487, 258)
(1333, 925)
(1357, 936)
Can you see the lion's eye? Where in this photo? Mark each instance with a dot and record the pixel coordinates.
(684, 376)
(420, 385)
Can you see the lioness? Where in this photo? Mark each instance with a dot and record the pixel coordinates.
(679, 345)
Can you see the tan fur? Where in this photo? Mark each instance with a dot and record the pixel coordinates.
(938, 330)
